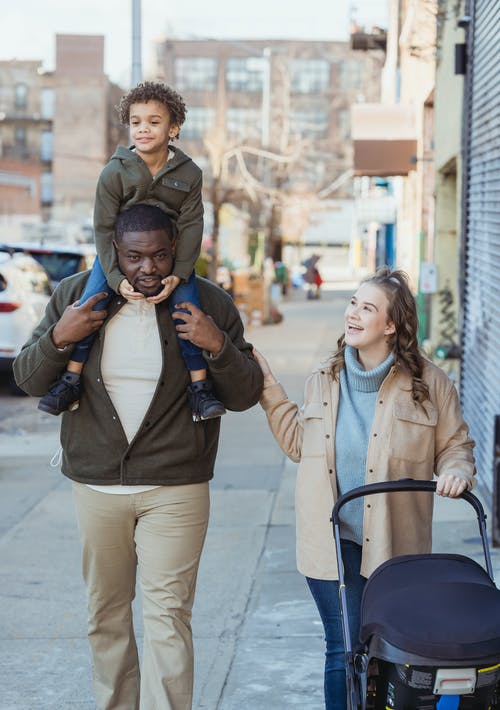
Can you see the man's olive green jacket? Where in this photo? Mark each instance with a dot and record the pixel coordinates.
(169, 448)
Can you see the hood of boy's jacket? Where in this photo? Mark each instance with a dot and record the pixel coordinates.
(125, 155)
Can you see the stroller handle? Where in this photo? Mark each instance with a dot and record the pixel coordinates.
(410, 484)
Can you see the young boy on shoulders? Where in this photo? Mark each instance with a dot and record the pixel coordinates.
(151, 171)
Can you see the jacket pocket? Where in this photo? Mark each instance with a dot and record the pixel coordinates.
(314, 438)
(175, 184)
(413, 432)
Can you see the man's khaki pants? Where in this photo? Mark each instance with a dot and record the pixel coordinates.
(161, 532)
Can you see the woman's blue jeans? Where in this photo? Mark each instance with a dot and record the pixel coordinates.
(326, 595)
(188, 291)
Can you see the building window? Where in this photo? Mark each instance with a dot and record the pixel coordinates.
(344, 122)
(199, 122)
(244, 123)
(47, 189)
(46, 143)
(245, 73)
(20, 137)
(351, 74)
(311, 123)
(309, 76)
(311, 174)
(47, 103)
(195, 73)
(21, 96)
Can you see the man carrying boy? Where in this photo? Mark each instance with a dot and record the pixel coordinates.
(151, 171)
(139, 464)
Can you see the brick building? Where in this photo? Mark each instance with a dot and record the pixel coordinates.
(57, 130)
(26, 116)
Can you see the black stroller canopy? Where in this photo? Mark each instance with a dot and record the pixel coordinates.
(438, 606)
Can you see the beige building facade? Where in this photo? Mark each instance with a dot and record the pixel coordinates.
(448, 164)
(271, 119)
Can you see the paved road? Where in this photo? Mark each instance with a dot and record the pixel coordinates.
(257, 635)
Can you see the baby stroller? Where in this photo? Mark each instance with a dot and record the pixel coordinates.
(430, 626)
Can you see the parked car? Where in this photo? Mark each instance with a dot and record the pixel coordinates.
(24, 293)
(58, 260)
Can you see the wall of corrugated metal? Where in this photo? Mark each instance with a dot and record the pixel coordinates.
(480, 388)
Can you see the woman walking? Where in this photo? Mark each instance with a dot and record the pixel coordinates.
(377, 411)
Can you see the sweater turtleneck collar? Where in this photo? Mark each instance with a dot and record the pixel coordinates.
(365, 380)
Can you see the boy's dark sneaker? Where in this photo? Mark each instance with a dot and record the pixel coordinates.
(63, 395)
(204, 404)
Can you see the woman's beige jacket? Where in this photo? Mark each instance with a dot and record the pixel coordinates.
(407, 440)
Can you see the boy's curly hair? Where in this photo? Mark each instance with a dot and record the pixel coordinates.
(153, 91)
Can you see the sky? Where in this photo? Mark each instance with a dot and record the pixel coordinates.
(28, 27)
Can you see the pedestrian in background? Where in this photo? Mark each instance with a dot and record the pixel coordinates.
(140, 466)
(377, 411)
(318, 282)
(312, 277)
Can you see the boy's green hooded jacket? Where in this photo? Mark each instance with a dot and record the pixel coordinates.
(176, 188)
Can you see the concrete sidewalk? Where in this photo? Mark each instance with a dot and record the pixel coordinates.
(258, 637)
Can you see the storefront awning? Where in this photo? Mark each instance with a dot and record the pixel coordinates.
(384, 138)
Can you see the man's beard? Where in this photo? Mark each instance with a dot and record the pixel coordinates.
(147, 291)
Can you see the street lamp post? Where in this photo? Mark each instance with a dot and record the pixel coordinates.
(136, 74)
(266, 97)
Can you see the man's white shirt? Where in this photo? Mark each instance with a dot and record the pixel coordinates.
(131, 366)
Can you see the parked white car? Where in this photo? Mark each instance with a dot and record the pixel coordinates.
(58, 260)
(24, 293)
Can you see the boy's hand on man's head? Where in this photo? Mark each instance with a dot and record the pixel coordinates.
(169, 283)
(127, 291)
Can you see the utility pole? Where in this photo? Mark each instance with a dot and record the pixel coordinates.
(266, 96)
(136, 75)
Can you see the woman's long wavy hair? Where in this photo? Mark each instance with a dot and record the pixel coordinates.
(402, 311)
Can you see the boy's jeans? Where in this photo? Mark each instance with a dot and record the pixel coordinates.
(191, 354)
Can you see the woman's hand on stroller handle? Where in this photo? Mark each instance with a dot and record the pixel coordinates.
(451, 486)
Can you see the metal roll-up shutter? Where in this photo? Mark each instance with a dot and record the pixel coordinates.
(480, 381)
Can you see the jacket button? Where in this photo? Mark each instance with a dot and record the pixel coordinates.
(374, 435)
(368, 505)
(325, 404)
(370, 470)
(327, 436)
(367, 539)
(330, 470)
(148, 424)
(381, 401)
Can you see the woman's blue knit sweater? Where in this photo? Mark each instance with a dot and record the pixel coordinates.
(358, 396)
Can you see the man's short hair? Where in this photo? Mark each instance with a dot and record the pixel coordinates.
(143, 218)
